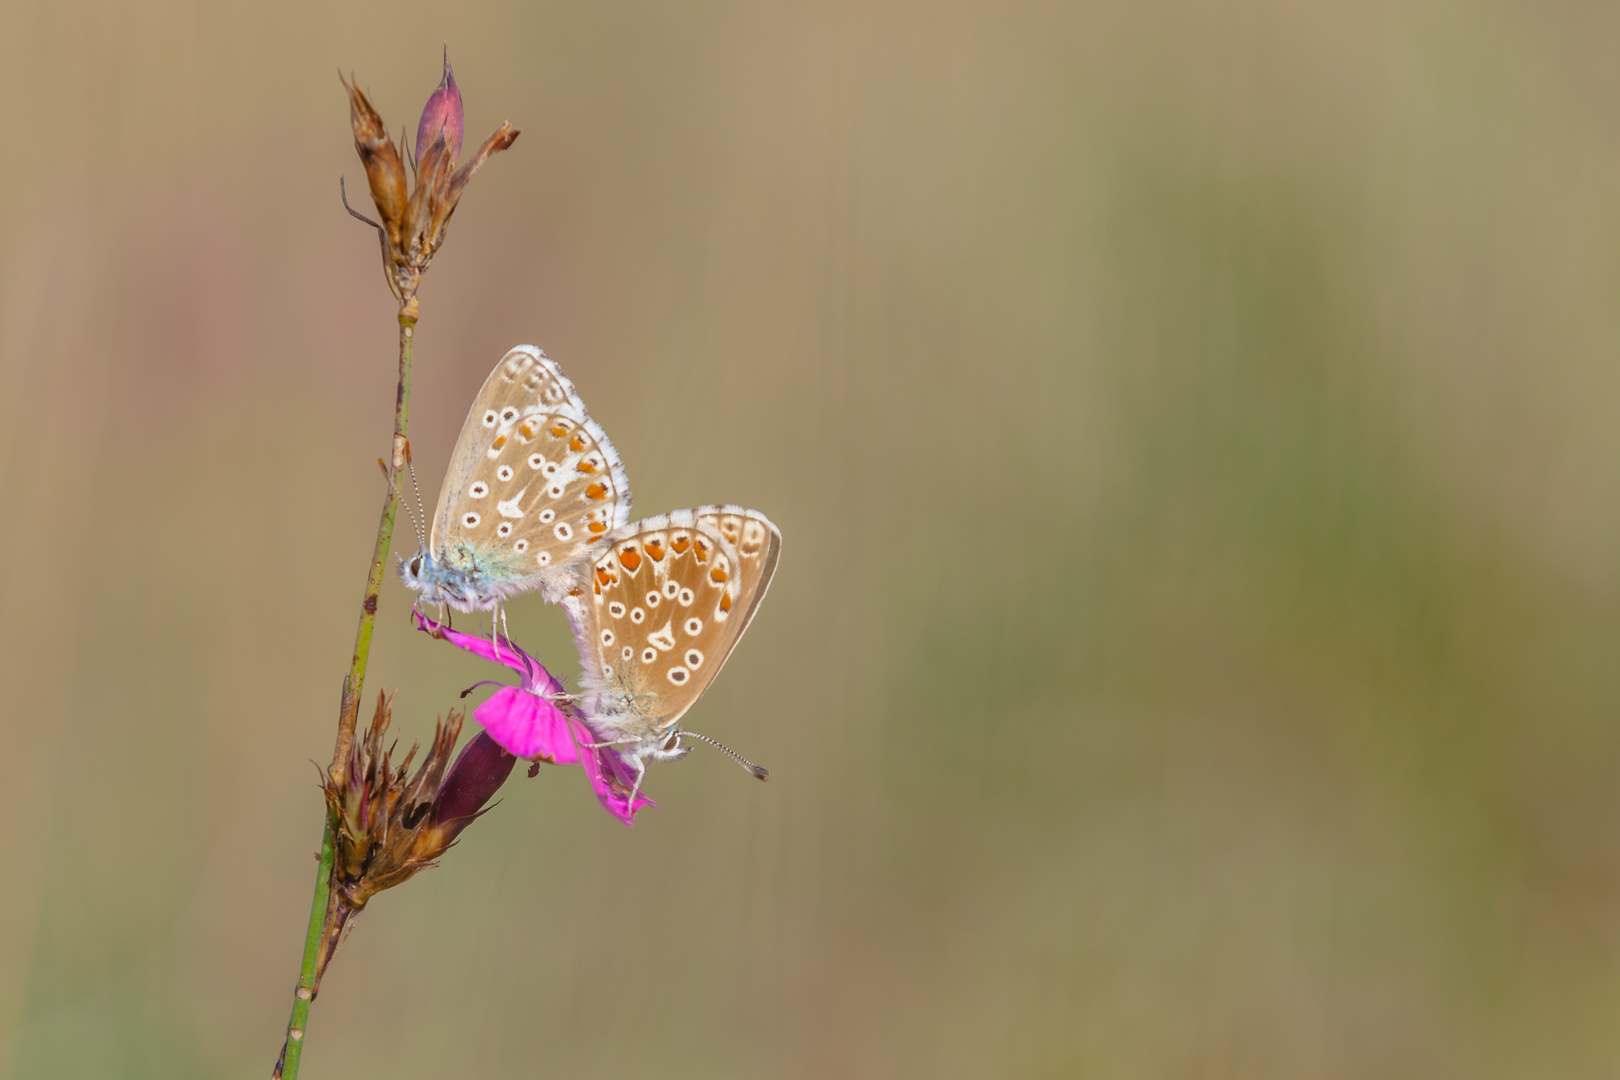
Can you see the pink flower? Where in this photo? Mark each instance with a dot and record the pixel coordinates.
(524, 722)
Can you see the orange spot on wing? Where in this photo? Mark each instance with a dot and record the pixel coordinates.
(680, 544)
(702, 550)
(585, 466)
(558, 430)
(596, 491)
(656, 550)
(576, 442)
(725, 602)
(527, 430)
(717, 575)
(500, 441)
(631, 558)
(598, 527)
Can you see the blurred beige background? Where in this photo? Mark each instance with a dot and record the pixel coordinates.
(1196, 433)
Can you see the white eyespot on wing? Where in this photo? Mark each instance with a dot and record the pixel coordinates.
(652, 599)
(564, 531)
(662, 638)
(503, 473)
(686, 599)
(544, 558)
(677, 675)
(470, 520)
(490, 419)
(547, 516)
(478, 490)
(607, 637)
(535, 461)
(637, 616)
(694, 659)
(549, 468)
(521, 546)
(616, 609)
(672, 589)
(509, 507)
(504, 529)
(694, 626)
(649, 654)
(628, 652)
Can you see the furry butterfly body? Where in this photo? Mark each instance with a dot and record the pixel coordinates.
(533, 485)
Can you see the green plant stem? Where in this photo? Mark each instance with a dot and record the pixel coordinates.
(349, 710)
(292, 1048)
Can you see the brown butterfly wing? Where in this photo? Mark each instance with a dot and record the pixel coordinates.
(665, 604)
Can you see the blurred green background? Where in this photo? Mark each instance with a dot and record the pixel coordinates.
(1196, 434)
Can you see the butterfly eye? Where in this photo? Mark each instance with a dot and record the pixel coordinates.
(416, 566)
(673, 744)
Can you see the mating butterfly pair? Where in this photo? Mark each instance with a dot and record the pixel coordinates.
(535, 499)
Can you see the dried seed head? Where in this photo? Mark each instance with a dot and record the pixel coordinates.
(413, 224)
(390, 823)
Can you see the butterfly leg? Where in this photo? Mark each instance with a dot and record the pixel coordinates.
(506, 631)
(641, 774)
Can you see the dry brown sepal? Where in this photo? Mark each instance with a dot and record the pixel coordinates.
(413, 225)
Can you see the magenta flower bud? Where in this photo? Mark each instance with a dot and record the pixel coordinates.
(480, 770)
(441, 114)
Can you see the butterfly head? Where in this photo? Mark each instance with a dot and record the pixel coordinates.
(664, 748)
(417, 573)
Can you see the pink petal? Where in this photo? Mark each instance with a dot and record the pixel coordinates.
(533, 675)
(608, 776)
(527, 725)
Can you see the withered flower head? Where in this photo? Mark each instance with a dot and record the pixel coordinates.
(412, 225)
(391, 823)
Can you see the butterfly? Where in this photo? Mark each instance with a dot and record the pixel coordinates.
(533, 485)
(661, 605)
